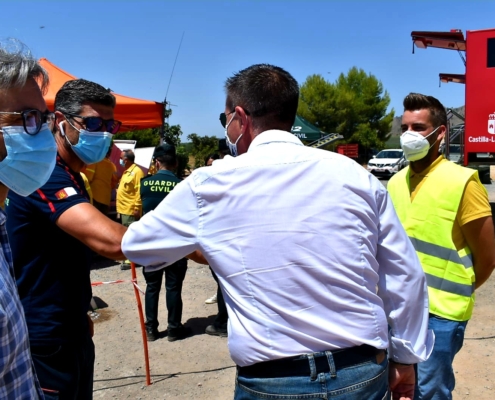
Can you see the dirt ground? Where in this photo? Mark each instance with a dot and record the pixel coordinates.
(199, 367)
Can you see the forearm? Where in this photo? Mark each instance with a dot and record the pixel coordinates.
(95, 230)
(482, 274)
(109, 243)
(480, 237)
(176, 220)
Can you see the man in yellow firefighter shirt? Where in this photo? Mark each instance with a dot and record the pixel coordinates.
(445, 211)
(128, 198)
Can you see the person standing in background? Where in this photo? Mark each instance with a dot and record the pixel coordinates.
(103, 179)
(153, 190)
(129, 204)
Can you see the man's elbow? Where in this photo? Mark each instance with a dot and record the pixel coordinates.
(112, 251)
(116, 253)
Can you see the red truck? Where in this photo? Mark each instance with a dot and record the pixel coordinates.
(476, 140)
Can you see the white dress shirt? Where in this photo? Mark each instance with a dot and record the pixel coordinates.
(307, 247)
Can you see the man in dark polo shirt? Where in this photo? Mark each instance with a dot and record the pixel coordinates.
(153, 190)
(52, 231)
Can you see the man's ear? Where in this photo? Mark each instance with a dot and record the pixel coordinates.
(59, 117)
(243, 118)
(442, 132)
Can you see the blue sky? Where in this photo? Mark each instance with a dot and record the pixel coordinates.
(130, 46)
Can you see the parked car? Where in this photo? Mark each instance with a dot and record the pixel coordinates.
(387, 162)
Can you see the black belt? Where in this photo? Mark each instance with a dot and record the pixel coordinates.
(299, 365)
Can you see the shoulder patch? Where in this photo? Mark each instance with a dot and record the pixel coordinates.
(66, 192)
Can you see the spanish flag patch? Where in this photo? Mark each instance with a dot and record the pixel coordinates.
(64, 193)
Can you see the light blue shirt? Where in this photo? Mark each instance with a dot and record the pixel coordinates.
(307, 247)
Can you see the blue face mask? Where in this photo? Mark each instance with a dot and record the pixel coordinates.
(30, 159)
(91, 147)
(232, 146)
(122, 163)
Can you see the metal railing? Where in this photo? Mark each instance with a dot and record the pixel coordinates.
(332, 137)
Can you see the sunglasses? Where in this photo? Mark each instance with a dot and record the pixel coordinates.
(95, 124)
(32, 120)
(223, 118)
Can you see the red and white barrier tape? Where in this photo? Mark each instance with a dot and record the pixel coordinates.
(133, 281)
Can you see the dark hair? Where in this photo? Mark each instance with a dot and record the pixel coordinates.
(129, 154)
(267, 93)
(417, 101)
(213, 156)
(74, 94)
(169, 160)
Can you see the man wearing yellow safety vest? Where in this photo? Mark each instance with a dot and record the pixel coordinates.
(445, 211)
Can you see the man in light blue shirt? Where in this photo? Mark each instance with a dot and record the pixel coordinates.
(311, 258)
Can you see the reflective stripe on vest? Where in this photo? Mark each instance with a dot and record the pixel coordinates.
(448, 286)
(428, 221)
(442, 252)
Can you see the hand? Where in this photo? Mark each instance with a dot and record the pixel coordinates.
(137, 214)
(401, 379)
(198, 257)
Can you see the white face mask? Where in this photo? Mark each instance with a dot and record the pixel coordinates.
(232, 146)
(415, 145)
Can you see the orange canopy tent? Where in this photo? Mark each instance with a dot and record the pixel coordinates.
(134, 113)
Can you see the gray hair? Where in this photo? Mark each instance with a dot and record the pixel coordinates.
(17, 65)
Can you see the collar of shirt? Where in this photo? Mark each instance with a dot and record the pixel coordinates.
(62, 162)
(130, 169)
(416, 180)
(428, 170)
(3, 217)
(165, 172)
(274, 135)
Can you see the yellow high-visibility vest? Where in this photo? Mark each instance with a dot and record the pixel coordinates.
(428, 221)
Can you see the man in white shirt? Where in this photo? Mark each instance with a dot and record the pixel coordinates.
(311, 258)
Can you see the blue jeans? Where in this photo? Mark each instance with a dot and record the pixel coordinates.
(368, 380)
(436, 379)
